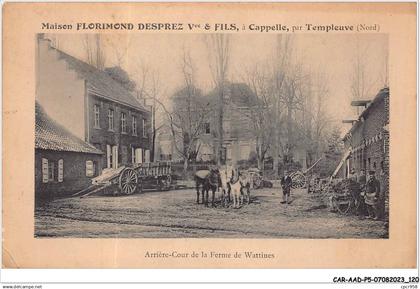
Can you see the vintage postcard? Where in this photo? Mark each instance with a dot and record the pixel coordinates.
(209, 135)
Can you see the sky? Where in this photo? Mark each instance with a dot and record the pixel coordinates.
(331, 54)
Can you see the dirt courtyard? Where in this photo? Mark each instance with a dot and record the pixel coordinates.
(175, 214)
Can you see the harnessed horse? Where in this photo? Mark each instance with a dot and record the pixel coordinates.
(226, 176)
(240, 184)
(207, 179)
(236, 189)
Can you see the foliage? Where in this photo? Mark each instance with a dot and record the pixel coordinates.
(121, 76)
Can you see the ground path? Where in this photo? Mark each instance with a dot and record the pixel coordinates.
(174, 214)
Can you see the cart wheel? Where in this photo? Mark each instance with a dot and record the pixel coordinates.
(344, 207)
(298, 180)
(128, 181)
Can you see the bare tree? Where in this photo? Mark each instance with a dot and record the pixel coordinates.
(142, 71)
(314, 118)
(291, 97)
(189, 113)
(280, 65)
(319, 115)
(155, 91)
(218, 46)
(261, 112)
(88, 49)
(361, 82)
(120, 45)
(95, 54)
(187, 124)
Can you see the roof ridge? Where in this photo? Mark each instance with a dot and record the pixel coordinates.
(54, 129)
(107, 80)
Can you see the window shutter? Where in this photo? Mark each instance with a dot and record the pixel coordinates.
(44, 170)
(146, 156)
(89, 168)
(60, 170)
(108, 156)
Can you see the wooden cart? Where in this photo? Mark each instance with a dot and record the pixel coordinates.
(299, 178)
(130, 179)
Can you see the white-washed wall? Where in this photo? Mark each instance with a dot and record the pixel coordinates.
(59, 90)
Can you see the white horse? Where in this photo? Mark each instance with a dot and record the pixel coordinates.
(236, 190)
(226, 176)
(240, 185)
(245, 180)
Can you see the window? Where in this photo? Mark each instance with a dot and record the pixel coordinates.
(111, 119)
(134, 125)
(108, 156)
(207, 128)
(229, 152)
(96, 116)
(50, 171)
(144, 128)
(44, 170)
(123, 123)
(60, 170)
(90, 169)
(146, 156)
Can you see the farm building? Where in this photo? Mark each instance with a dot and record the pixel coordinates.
(367, 142)
(92, 106)
(63, 162)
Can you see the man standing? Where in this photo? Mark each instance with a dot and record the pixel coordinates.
(373, 191)
(286, 184)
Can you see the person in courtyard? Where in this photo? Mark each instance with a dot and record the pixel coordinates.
(380, 206)
(362, 209)
(286, 185)
(372, 196)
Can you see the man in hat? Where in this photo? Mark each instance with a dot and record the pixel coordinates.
(373, 190)
(362, 210)
(286, 184)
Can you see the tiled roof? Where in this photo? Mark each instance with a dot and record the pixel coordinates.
(99, 82)
(49, 135)
(380, 96)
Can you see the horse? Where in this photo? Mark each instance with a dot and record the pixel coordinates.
(226, 176)
(246, 182)
(236, 190)
(207, 179)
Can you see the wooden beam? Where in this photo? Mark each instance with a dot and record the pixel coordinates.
(360, 102)
(349, 121)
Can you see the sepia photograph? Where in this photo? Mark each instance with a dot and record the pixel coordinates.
(198, 135)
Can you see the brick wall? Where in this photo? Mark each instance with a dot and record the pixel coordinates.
(55, 81)
(74, 172)
(373, 155)
(102, 136)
